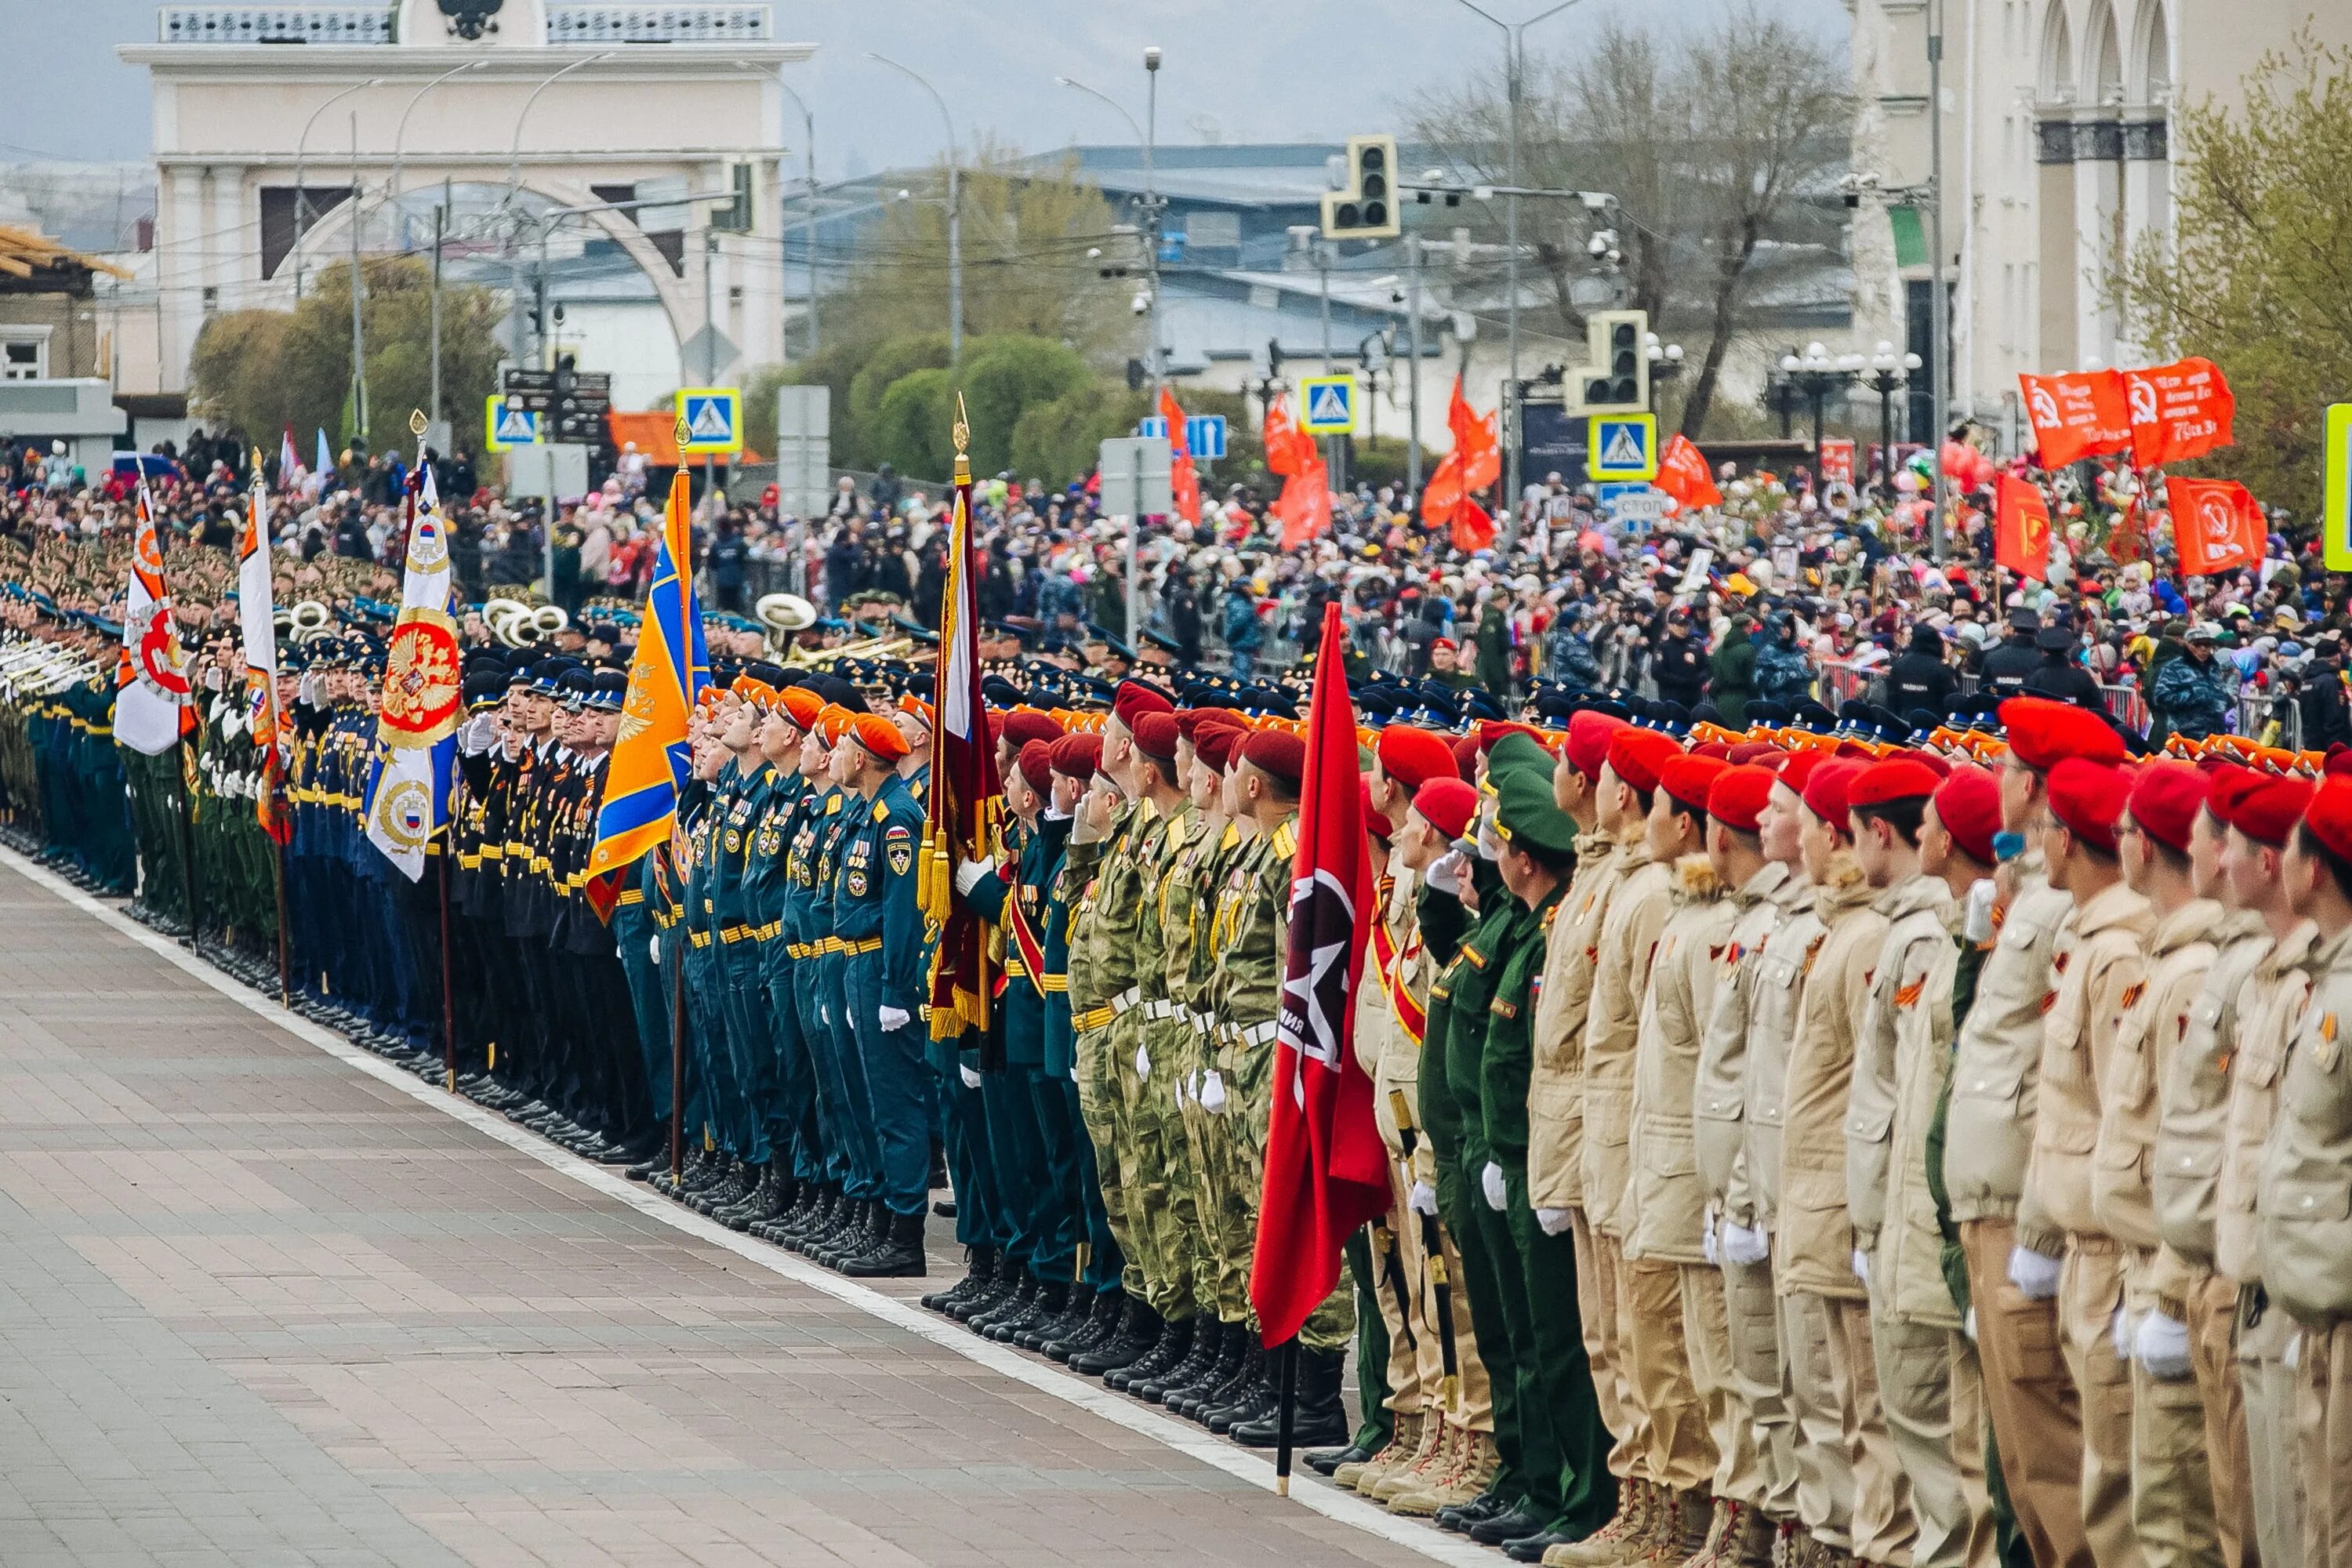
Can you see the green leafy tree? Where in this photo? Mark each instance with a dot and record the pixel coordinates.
(912, 426)
(2257, 276)
(1059, 441)
(1005, 380)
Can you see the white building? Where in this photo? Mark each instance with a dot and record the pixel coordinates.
(2058, 151)
(549, 124)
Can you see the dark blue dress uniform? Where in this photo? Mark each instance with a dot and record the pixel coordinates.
(740, 992)
(878, 923)
(792, 1105)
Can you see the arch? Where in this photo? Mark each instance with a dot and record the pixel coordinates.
(2102, 60)
(2057, 56)
(2152, 55)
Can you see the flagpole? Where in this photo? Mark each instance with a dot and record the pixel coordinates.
(448, 985)
(1287, 1418)
(278, 890)
(677, 1063)
(187, 755)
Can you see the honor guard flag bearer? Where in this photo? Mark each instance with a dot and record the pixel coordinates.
(1325, 1168)
(966, 795)
(255, 616)
(651, 755)
(151, 693)
(416, 729)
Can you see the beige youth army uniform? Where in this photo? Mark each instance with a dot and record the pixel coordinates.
(1989, 1137)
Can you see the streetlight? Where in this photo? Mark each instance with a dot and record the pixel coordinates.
(1145, 136)
(1814, 373)
(400, 134)
(808, 148)
(1666, 362)
(301, 200)
(1514, 62)
(514, 189)
(955, 211)
(1888, 372)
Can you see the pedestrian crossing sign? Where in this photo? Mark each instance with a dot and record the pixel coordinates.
(505, 424)
(1328, 405)
(713, 418)
(1622, 447)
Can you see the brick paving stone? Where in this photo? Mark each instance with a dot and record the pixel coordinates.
(261, 1307)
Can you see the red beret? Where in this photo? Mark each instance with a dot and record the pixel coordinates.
(1374, 823)
(1024, 725)
(1215, 742)
(995, 724)
(1688, 778)
(2268, 812)
(1736, 797)
(1414, 757)
(1465, 757)
(2339, 760)
(1077, 756)
(1890, 779)
(1937, 765)
(2329, 814)
(1588, 740)
(2226, 784)
(1798, 768)
(1277, 753)
(2041, 732)
(1037, 765)
(1968, 803)
(1825, 789)
(2164, 800)
(1637, 755)
(1156, 735)
(1761, 753)
(1190, 720)
(1136, 699)
(2086, 797)
(1717, 749)
(1448, 805)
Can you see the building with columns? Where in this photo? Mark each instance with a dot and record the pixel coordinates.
(285, 134)
(2057, 152)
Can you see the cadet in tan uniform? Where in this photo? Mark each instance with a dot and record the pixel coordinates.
(2171, 1483)
(2014, 1249)
(2305, 1194)
(2099, 971)
(1898, 1071)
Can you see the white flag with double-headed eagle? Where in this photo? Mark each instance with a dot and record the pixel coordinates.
(417, 727)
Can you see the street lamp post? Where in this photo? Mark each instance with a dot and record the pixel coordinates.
(808, 152)
(1666, 364)
(400, 136)
(301, 200)
(955, 211)
(514, 189)
(1888, 372)
(1145, 136)
(1815, 374)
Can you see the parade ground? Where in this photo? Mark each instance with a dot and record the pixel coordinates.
(267, 1301)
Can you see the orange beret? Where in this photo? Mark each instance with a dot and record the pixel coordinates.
(2042, 732)
(833, 722)
(909, 703)
(804, 705)
(879, 736)
(1736, 797)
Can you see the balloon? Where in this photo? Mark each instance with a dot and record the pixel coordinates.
(1960, 459)
(1906, 482)
(1590, 539)
(1919, 463)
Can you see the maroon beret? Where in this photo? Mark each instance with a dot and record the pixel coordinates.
(1156, 735)
(1037, 765)
(1277, 753)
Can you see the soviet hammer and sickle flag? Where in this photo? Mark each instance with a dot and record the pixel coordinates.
(1326, 1169)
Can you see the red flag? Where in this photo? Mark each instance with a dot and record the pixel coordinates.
(2020, 528)
(1326, 1170)
(1305, 505)
(1684, 474)
(2178, 411)
(1184, 479)
(963, 805)
(1474, 437)
(1476, 462)
(2217, 525)
(2076, 415)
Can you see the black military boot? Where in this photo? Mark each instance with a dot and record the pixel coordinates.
(1052, 1297)
(1134, 1338)
(1198, 1358)
(1251, 1396)
(848, 1215)
(853, 1236)
(792, 1212)
(1319, 1417)
(802, 1229)
(1076, 1311)
(729, 1189)
(1232, 1350)
(761, 1203)
(1175, 1345)
(899, 1255)
(1010, 1304)
(1095, 1316)
(979, 1263)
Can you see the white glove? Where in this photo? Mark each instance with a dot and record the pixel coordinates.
(1552, 1221)
(2034, 1274)
(1423, 1198)
(653, 945)
(1445, 873)
(1976, 925)
(1212, 1091)
(2121, 1331)
(1969, 1324)
(895, 1018)
(1706, 1243)
(1745, 1247)
(1491, 1178)
(478, 735)
(971, 1078)
(1143, 1062)
(1862, 1265)
(2161, 1345)
(968, 874)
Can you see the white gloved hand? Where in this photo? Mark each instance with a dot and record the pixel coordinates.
(1707, 1244)
(1491, 1179)
(1969, 1324)
(895, 1018)
(653, 945)
(478, 735)
(2122, 1330)
(1143, 1062)
(2161, 1345)
(968, 874)
(2035, 1274)
(1745, 1247)
(1445, 873)
(1552, 1221)
(1212, 1091)
(1423, 1198)
(971, 1078)
(1976, 923)
(1862, 1265)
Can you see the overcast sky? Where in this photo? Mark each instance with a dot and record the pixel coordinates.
(1235, 70)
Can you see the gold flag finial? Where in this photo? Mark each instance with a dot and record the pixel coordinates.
(963, 432)
(682, 433)
(256, 463)
(416, 422)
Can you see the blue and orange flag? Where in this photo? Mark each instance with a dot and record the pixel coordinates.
(651, 755)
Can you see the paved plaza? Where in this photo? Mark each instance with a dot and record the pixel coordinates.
(265, 1300)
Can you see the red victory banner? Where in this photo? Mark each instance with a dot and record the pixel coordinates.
(1476, 462)
(1326, 1169)
(2217, 525)
(1184, 479)
(2178, 411)
(1304, 508)
(1684, 474)
(2020, 528)
(2078, 415)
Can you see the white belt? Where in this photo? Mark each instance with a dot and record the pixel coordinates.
(1161, 1011)
(1205, 1022)
(1125, 999)
(1260, 1033)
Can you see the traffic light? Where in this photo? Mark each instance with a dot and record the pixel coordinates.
(735, 216)
(1616, 378)
(1365, 208)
